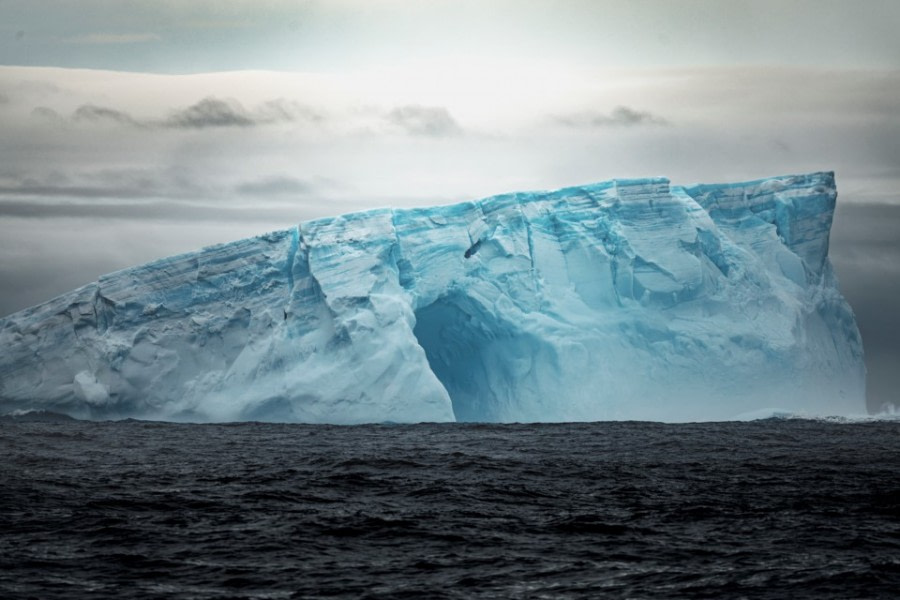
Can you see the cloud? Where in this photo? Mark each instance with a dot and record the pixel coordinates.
(275, 186)
(74, 191)
(4, 99)
(620, 116)
(431, 121)
(210, 112)
(118, 184)
(282, 110)
(137, 192)
(47, 114)
(114, 38)
(91, 112)
(140, 211)
(215, 112)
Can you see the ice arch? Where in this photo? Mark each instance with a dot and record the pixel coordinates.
(491, 369)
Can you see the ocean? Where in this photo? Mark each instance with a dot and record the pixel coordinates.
(778, 508)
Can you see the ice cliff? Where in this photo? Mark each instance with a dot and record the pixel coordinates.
(628, 299)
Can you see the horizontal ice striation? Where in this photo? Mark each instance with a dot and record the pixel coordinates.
(628, 299)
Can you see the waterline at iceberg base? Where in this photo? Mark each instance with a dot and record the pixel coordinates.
(627, 299)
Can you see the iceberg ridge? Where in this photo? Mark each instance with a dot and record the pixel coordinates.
(627, 299)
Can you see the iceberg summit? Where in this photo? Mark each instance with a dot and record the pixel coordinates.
(627, 299)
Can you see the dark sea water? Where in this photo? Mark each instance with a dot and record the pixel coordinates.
(766, 509)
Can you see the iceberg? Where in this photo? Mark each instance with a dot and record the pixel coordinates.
(626, 299)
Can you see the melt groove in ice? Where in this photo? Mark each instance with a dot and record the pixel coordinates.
(627, 299)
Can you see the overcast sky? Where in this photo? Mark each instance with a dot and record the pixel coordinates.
(134, 130)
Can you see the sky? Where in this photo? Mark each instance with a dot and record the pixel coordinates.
(135, 130)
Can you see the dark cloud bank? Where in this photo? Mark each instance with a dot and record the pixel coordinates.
(93, 113)
(413, 119)
(275, 186)
(113, 184)
(431, 121)
(118, 193)
(143, 211)
(207, 113)
(865, 251)
(620, 116)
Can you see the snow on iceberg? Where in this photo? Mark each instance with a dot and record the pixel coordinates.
(628, 299)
